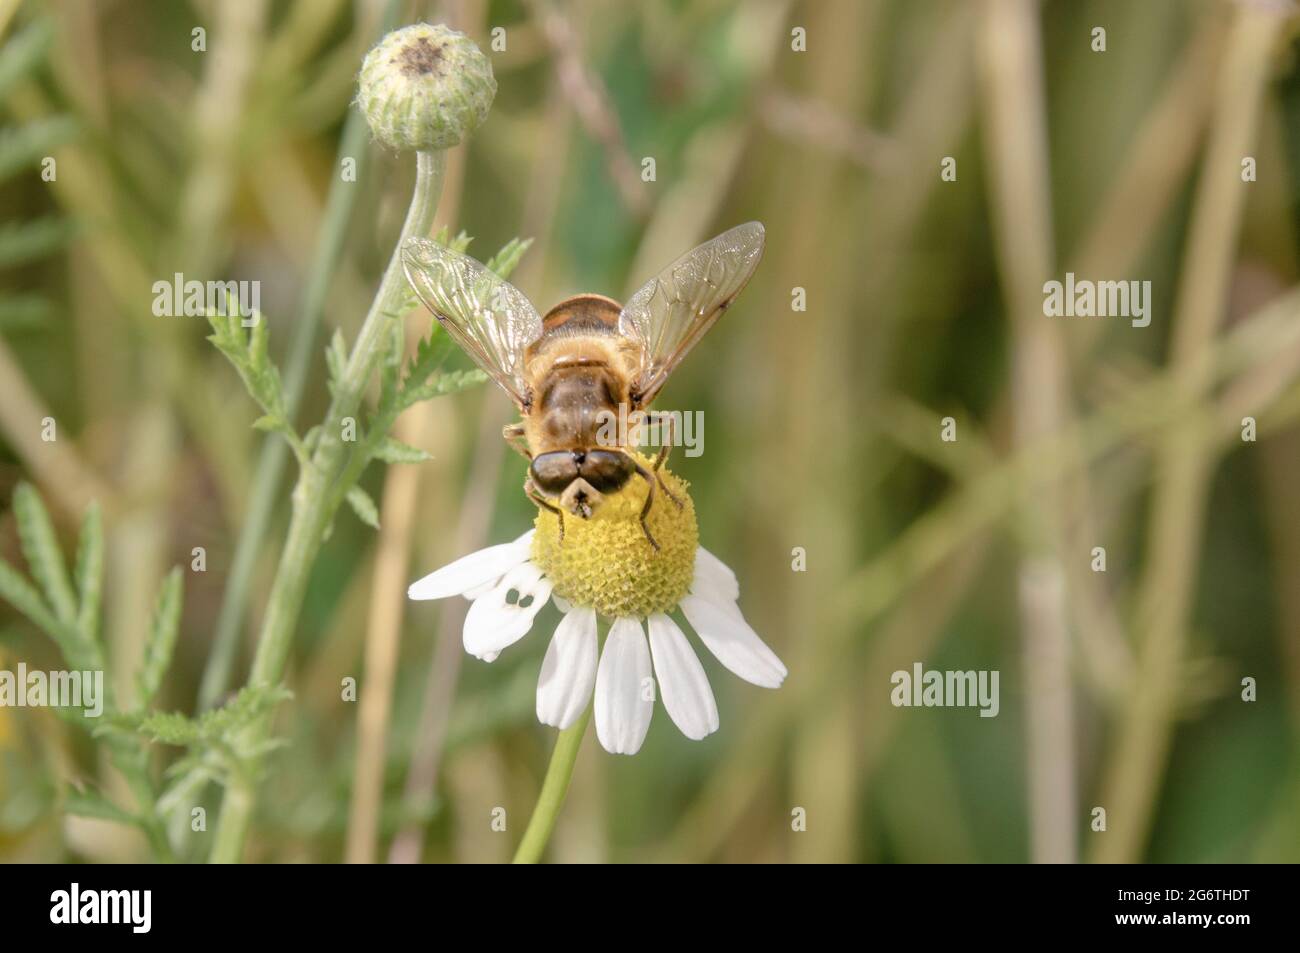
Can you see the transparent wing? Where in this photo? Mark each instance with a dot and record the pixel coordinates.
(486, 315)
(671, 312)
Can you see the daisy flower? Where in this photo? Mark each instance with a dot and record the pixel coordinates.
(605, 566)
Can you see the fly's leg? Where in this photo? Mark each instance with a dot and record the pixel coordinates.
(514, 435)
(665, 447)
(649, 499)
(541, 501)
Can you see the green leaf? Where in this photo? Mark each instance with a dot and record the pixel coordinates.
(363, 506)
(507, 259)
(219, 731)
(227, 334)
(21, 242)
(89, 574)
(24, 146)
(41, 547)
(394, 451)
(270, 424)
(430, 354)
(167, 727)
(460, 243)
(187, 788)
(259, 342)
(249, 353)
(161, 644)
(89, 803)
(441, 385)
(22, 595)
(336, 358)
(390, 365)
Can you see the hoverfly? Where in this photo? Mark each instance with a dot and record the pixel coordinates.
(587, 357)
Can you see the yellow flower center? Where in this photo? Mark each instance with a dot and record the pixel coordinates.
(607, 563)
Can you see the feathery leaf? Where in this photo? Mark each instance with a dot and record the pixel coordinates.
(363, 506)
(162, 636)
(394, 451)
(41, 547)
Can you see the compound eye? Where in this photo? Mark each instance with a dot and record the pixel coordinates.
(553, 471)
(606, 470)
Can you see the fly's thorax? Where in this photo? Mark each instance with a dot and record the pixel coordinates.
(581, 329)
(575, 392)
(607, 563)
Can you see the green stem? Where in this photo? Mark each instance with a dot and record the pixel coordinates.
(133, 764)
(554, 787)
(274, 454)
(236, 803)
(315, 498)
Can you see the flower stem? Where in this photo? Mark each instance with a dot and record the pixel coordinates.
(275, 452)
(554, 787)
(236, 808)
(321, 485)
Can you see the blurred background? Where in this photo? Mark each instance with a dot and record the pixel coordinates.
(830, 122)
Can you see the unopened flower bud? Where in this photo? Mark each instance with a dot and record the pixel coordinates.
(425, 87)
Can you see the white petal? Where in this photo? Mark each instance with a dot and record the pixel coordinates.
(564, 605)
(706, 591)
(715, 574)
(682, 683)
(472, 594)
(624, 689)
(472, 571)
(494, 621)
(569, 670)
(729, 637)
